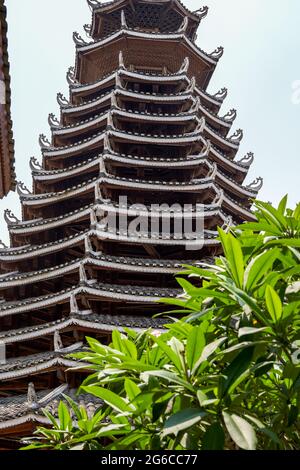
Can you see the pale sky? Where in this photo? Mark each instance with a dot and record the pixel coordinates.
(260, 66)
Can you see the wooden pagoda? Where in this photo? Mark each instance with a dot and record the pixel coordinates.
(139, 123)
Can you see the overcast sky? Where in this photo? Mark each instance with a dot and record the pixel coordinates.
(260, 67)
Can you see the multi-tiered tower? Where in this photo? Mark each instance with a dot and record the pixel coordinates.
(138, 123)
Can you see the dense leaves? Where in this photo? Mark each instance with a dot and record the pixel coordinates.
(226, 376)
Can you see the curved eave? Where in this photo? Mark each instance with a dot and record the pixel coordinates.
(85, 49)
(86, 89)
(98, 323)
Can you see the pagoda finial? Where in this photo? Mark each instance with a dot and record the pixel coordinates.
(87, 245)
(79, 41)
(221, 94)
(183, 27)
(206, 150)
(44, 142)
(82, 274)
(121, 60)
(88, 29)
(93, 215)
(58, 344)
(228, 223)
(114, 102)
(185, 66)
(237, 136)
(53, 121)
(32, 400)
(217, 53)
(256, 185)
(22, 189)
(213, 171)
(2, 245)
(219, 197)
(73, 304)
(191, 87)
(247, 160)
(230, 116)
(62, 100)
(10, 218)
(202, 12)
(195, 106)
(123, 20)
(200, 126)
(34, 164)
(71, 76)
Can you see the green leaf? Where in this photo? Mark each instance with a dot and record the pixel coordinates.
(208, 350)
(112, 399)
(234, 256)
(131, 389)
(174, 358)
(274, 304)
(235, 370)
(240, 431)
(194, 346)
(214, 438)
(64, 416)
(182, 420)
(257, 268)
(169, 377)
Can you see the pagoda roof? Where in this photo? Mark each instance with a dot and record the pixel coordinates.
(20, 411)
(97, 322)
(77, 88)
(7, 151)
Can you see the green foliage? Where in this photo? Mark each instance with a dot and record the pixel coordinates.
(227, 376)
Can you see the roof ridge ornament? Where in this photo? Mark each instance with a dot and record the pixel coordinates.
(87, 245)
(213, 171)
(93, 215)
(2, 245)
(192, 85)
(221, 94)
(32, 400)
(230, 116)
(71, 76)
(218, 200)
(93, 4)
(102, 167)
(247, 160)
(118, 81)
(82, 274)
(195, 106)
(62, 100)
(217, 53)
(184, 66)
(114, 102)
(184, 25)
(22, 189)
(106, 143)
(57, 341)
(228, 223)
(123, 20)
(207, 149)
(10, 217)
(44, 142)
(202, 12)
(34, 164)
(88, 29)
(73, 304)
(256, 185)
(53, 121)
(121, 60)
(237, 136)
(110, 122)
(200, 125)
(79, 41)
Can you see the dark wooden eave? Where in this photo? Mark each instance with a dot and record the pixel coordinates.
(7, 172)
